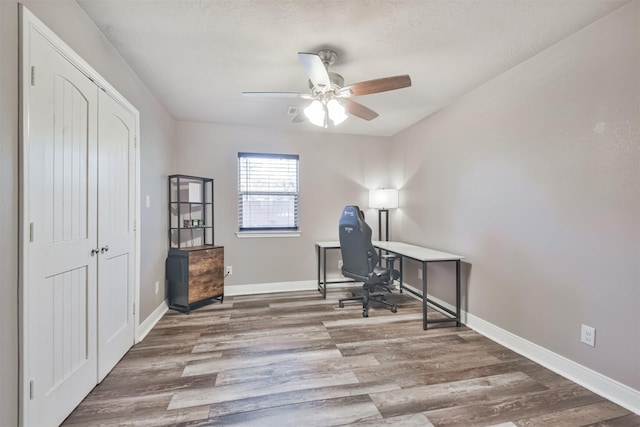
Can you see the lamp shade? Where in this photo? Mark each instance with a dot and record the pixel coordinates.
(316, 113)
(383, 198)
(336, 112)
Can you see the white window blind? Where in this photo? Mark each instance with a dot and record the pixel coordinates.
(267, 192)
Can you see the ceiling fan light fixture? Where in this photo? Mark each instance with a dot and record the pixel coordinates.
(316, 113)
(336, 111)
(331, 99)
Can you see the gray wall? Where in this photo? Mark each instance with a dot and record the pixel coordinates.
(335, 170)
(157, 134)
(8, 214)
(535, 178)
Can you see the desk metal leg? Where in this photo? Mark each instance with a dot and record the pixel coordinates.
(424, 296)
(322, 280)
(318, 268)
(458, 293)
(324, 272)
(401, 274)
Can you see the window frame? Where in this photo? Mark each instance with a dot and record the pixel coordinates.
(266, 230)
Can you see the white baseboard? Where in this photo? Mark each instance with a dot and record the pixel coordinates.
(269, 288)
(606, 387)
(145, 327)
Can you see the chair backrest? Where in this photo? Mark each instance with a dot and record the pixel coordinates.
(358, 254)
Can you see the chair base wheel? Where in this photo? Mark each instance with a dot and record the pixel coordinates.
(368, 297)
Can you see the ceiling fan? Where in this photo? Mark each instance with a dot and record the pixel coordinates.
(331, 100)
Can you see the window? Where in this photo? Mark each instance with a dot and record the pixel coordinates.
(267, 192)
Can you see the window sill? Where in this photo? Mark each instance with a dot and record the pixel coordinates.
(266, 234)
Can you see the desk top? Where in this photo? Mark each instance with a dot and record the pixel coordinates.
(410, 251)
(418, 253)
(333, 244)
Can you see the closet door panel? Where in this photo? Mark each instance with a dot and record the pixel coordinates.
(116, 210)
(60, 295)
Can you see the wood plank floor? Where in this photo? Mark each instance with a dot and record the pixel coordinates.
(295, 359)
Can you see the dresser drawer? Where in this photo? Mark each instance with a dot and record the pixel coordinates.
(206, 274)
(195, 276)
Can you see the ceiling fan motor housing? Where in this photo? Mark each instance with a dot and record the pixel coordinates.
(327, 56)
(337, 81)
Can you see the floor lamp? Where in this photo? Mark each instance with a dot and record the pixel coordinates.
(383, 199)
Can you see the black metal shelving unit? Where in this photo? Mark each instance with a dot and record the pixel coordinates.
(191, 218)
(194, 269)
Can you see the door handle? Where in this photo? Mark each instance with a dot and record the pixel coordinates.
(104, 249)
(95, 252)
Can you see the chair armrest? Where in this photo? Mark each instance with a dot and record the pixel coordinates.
(390, 260)
(370, 259)
(372, 266)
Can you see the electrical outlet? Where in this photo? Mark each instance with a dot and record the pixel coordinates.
(340, 264)
(588, 335)
(228, 271)
(157, 287)
(420, 273)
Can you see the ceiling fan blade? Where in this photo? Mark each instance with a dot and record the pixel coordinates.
(315, 69)
(377, 85)
(277, 95)
(356, 109)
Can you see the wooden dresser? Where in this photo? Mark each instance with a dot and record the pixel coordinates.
(195, 276)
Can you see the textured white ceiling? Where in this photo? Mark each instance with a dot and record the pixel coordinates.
(198, 56)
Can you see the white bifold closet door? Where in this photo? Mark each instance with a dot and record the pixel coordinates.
(62, 209)
(116, 239)
(80, 204)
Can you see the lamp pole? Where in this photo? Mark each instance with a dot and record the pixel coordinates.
(386, 224)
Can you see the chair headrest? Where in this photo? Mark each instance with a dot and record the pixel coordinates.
(350, 216)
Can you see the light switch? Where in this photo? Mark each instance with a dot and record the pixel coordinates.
(148, 201)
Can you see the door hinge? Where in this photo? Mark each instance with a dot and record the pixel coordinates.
(31, 389)
(31, 232)
(33, 75)
(135, 226)
(134, 308)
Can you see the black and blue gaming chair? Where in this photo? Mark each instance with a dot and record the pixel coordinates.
(360, 260)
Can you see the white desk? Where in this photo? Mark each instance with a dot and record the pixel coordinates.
(403, 250)
(425, 256)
